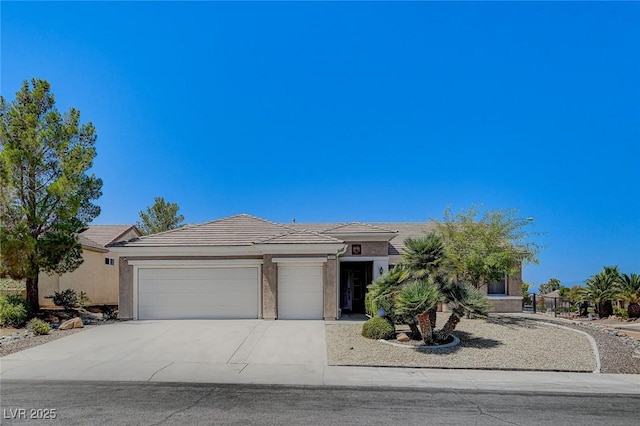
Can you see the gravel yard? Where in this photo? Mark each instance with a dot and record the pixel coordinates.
(501, 342)
(618, 354)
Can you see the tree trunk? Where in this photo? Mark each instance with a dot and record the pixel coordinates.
(415, 331)
(432, 318)
(425, 328)
(605, 309)
(450, 325)
(32, 294)
(633, 310)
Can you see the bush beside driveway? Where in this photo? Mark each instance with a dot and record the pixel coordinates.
(501, 342)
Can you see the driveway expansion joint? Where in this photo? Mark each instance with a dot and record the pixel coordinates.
(159, 370)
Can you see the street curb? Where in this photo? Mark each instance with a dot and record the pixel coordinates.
(594, 345)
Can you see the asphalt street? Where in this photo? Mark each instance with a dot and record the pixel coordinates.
(112, 403)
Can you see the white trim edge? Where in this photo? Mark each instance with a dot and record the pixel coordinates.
(299, 260)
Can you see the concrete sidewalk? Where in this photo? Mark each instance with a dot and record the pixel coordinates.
(259, 352)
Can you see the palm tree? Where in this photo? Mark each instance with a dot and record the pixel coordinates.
(413, 302)
(630, 292)
(411, 292)
(423, 258)
(381, 295)
(463, 299)
(602, 288)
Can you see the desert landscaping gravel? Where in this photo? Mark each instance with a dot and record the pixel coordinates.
(619, 354)
(500, 342)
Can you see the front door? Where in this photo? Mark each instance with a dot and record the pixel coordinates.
(354, 279)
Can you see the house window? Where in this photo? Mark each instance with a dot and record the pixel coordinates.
(498, 287)
(109, 261)
(356, 249)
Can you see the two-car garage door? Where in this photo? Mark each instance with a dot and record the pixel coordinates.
(202, 293)
(227, 292)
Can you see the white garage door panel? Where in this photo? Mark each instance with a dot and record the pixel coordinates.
(207, 293)
(300, 292)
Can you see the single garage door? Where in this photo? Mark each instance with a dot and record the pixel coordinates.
(300, 292)
(198, 293)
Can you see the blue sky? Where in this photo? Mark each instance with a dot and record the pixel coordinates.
(356, 111)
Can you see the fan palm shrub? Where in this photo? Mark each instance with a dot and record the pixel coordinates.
(630, 293)
(414, 301)
(463, 299)
(602, 288)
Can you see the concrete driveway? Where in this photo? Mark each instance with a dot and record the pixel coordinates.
(229, 351)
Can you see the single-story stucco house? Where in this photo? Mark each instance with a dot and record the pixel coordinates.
(247, 267)
(98, 274)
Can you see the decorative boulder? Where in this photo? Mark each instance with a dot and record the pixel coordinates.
(72, 323)
(402, 337)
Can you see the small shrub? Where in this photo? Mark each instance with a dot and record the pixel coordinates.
(69, 299)
(622, 313)
(38, 327)
(108, 313)
(17, 300)
(83, 300)
(13, 311)
(377, 328)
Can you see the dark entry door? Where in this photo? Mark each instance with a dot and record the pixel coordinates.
(354, 279)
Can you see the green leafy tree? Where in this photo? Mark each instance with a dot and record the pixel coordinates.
(160, 217)
(630, 293)
(482, 249)
(602, 288)
(552, 285)
(526, 295)
(46, 192)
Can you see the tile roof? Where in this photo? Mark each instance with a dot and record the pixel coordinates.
(405, 230)
(90, 244)
(246, 230)
(302, 237)
(105, 234)
(396, 245)
(357, 228)
(238, 230)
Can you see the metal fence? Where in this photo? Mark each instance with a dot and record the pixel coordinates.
(556, 306)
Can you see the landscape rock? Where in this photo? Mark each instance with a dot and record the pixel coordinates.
(402, 337)
(72, 323)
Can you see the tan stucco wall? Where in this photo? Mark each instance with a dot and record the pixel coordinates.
(269, 288)
(47, 285)
(506, 305)
(514, 284)
(330, 297)
(369, 248)
(97, 280)
(125, 294)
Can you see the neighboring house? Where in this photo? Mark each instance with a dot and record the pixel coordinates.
(246, 267)
(97, 276)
